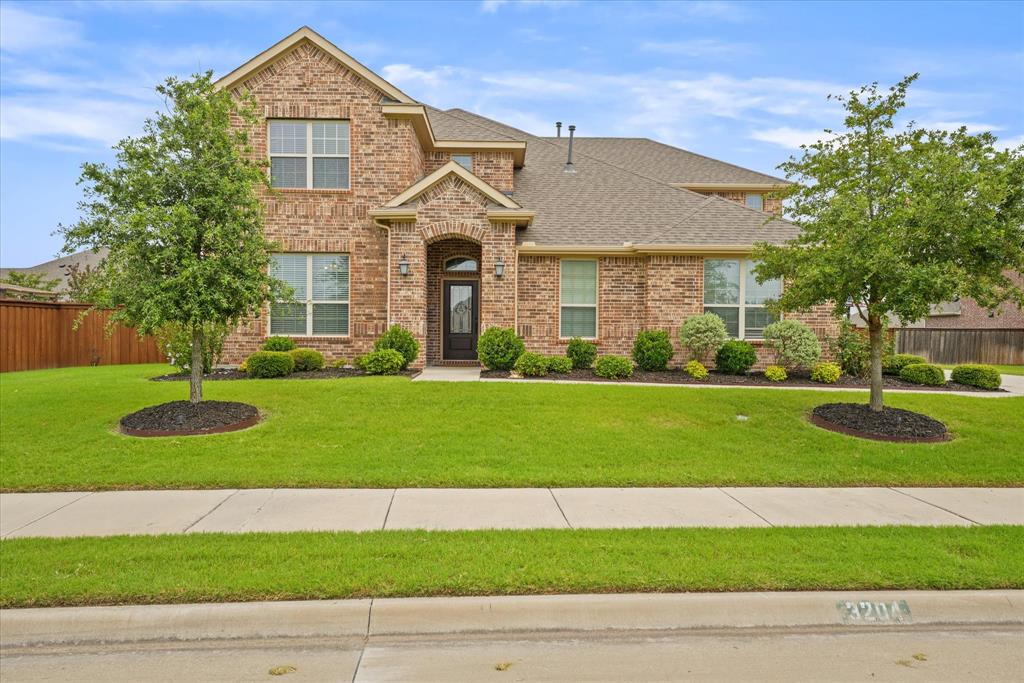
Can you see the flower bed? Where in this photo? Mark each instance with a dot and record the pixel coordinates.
(324, 373)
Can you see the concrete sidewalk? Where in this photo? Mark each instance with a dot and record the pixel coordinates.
(234, 511)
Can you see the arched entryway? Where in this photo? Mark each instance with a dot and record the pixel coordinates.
(453, 300)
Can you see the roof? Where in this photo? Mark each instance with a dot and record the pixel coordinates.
(448, 126)
(57, 268)
(6, 287)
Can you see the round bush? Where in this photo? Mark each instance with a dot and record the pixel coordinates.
(581, 352)
(400, 340)
(795, 345)
(263, 364)
(696, 370)
(826, 373)
(559, 364)
(702, 335)
(613, 367)
(894, 364)
(652, 350)
(531, 364)
(499, 348)
(775, 373)
(981, 376)
(307, 359)
(923, 373)
(278, 344)
(383, 362)
(735, 357)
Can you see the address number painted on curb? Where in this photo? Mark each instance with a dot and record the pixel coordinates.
(873, 612)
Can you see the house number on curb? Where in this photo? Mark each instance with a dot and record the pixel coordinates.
(866, 612)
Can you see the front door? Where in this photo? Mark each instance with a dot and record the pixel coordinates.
(461, 319)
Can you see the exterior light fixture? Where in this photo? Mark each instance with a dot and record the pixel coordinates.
(499, 267)
(403, 265)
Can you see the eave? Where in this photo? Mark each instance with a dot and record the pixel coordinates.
(630, 249)
(731, 187)
(417, 114)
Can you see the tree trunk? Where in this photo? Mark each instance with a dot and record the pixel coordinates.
(195, 382)
(875, 330)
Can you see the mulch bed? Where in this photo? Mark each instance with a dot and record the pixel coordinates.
(751, 379)
(891, 424)
(181, 418)
(226, 374)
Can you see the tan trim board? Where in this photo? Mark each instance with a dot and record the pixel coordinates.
(531, 249)
(732, 187)
(512, 215)
(418, 188)
(393, 214)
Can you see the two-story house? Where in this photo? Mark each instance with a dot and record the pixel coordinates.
(389, 211)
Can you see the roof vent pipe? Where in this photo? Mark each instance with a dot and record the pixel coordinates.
(558, 129)
(569, 168)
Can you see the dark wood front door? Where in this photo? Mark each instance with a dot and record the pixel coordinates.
(461, 323)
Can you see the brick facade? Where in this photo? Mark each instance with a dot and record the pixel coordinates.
(974, 317)
(771, 204)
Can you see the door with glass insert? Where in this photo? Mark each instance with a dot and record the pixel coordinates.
(460, 322)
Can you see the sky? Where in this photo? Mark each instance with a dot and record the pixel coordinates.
(742, 82)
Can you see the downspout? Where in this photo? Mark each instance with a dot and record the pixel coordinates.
(387, 228)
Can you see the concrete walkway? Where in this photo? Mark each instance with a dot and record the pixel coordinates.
(448, 374)
(235, 511)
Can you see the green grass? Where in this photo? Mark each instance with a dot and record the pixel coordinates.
(1003, 369)
(225, 567)
(59, 433)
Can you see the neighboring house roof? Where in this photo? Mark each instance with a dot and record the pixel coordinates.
(17, 292)
(58, 267)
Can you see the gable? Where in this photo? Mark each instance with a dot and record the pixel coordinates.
(448, 178)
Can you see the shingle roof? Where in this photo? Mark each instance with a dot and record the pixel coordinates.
(605, 204)
(447, 126)
(57, 268)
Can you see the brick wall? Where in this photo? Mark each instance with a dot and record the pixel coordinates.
(771, 204)
(494, 168)
(974, 317)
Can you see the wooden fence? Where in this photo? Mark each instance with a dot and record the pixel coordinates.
(999, 347)
(40, 334)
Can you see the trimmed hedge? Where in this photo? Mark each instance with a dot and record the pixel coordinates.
(613, 367)
(400, 340)
(383, 362)
(981, 376)
(703, 335)
(559, 364)
(652, 350)
(307, 359)
(826, 373)
(735, 357)
(923, 373)
(264, 364)
(894, 364)
(581, 352)
(278, 344)
(499, 348)
(696, 370)
(531, 364)
(775, 373)
(795, 345)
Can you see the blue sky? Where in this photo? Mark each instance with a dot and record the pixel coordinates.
(743, 82)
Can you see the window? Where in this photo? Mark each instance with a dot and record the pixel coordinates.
(579, 299)
(464, 160)
(461, 264)
(320, 284)
(755, 201)
(731, 292)
(309, 154)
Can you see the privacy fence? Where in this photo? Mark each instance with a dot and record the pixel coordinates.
(41, 334)
(999, 347)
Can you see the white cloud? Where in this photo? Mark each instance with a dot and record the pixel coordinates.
(788, 137)
(22, 32)
(51, 119)
(972, 128)
(492, 6)
(698, 47)
(1011, 142)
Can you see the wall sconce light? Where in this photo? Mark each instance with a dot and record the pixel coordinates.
(403, 265)
(499, 267)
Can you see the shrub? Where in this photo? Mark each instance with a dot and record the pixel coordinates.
(581, 352)
(775, 373)
(923, 373)
(795, 345)
(735, 357)
(400, 340)
(264, 364)
(703, 335)
(982, 376)
(307, 359)
(383, 362)
(696, 370)
(613, 367)
(894, 364)
(559, 364)
(826, 373)
(244, 367)
(652, 350)
(851, 349)
(340, 363)
(499, 348)
(531, 364)
(278, 344)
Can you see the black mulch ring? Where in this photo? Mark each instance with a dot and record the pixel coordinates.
(325, 373)
(181, 418)
(891, 424)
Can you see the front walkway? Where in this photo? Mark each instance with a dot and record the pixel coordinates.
(234, 511)
(438, 373)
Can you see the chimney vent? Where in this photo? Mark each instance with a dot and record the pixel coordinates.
(558, 129)
(569, 168)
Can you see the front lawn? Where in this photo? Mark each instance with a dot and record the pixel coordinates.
(302, 566)
(58, 432)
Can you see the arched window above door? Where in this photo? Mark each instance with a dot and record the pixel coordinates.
(461, 264)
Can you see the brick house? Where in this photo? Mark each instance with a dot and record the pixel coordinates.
(389, 211)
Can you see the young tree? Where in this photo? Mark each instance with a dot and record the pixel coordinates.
(181, 217)
(33, 280)
(894, 221)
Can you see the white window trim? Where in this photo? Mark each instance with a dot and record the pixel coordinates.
(309, 155)
(742, 305)
(310, 301)
(595, 305)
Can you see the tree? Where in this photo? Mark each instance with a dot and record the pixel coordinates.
(32, 280)
(893, 222)
(181, 217)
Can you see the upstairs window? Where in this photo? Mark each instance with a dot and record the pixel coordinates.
(309, 154)
(578, 299)
(320, 292)
(731, 292)
(464, 160)
(755, 201)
